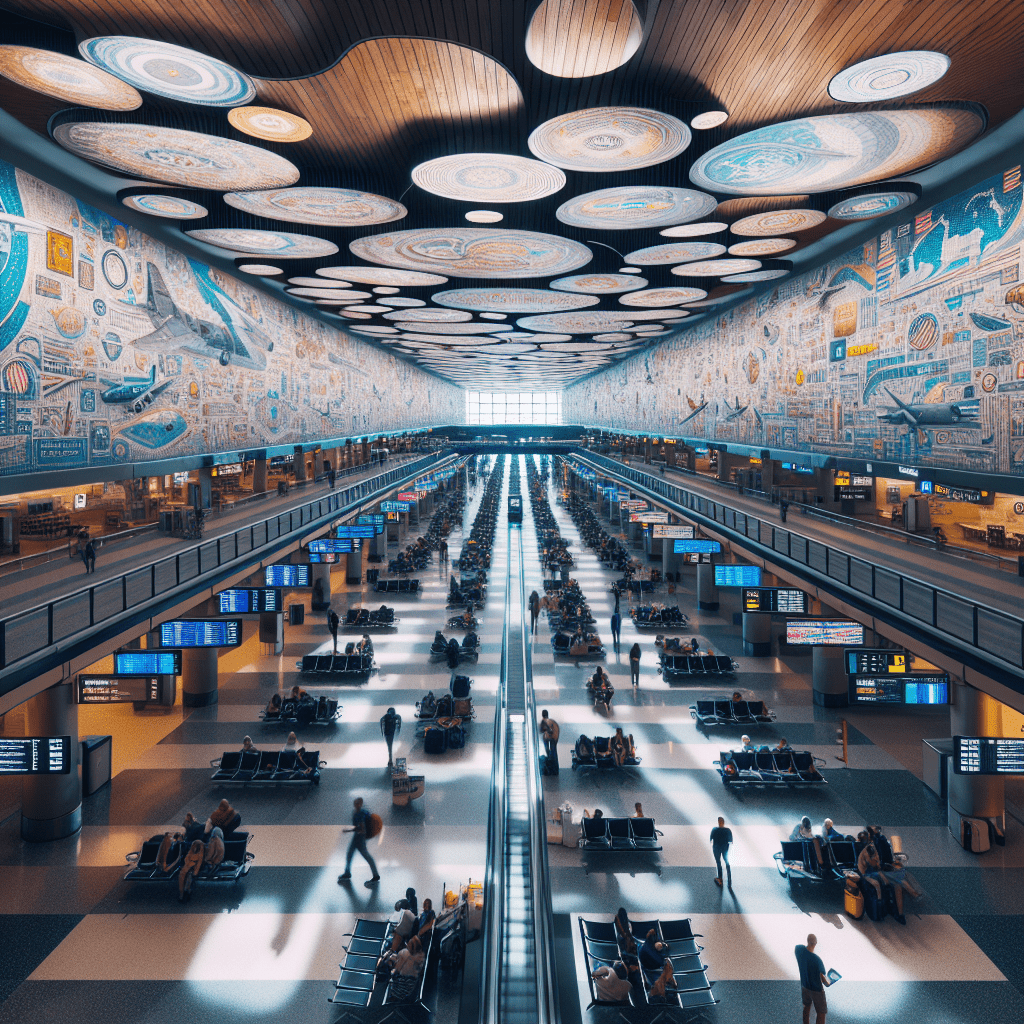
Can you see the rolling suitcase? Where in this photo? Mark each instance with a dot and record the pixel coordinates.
(974, 835)
(874, 905)
(853, 900)
(435, 741)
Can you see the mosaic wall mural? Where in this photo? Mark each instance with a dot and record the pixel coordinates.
(908, 349)
(114, 348)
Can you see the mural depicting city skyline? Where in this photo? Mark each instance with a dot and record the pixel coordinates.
(907, 349)
(114, 348)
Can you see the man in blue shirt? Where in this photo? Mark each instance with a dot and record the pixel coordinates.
(813, 981)
(360, 819)
(721, 838)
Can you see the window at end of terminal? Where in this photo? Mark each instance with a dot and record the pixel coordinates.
(523, 407)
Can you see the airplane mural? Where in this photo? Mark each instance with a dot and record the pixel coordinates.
(137, 393)
(926, 415)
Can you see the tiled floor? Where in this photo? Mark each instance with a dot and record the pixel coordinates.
(79, 944)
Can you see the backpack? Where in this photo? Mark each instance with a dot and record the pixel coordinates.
(456, 737)
(435, 741)
(428, 705)
(374, 825)
(460, 687)
(462, 708)
(444, 706)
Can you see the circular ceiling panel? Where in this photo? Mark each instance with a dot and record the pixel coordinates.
(818, 154)
(484, 216)
(716, 268)
(385, 290)
(675, 252)
(270, 124)
(488, 316)
(886, 77)
(173, 207)
(339, 294)
(762, 247)
(625, 208)
(448, 328)
(513, 300)
(281, 244)
(421, 333)
(755, 275)
(708, 227)
(772, 222)
(614, 336)
(599, 284)
(871, 204)
(437, 316)
(609, 139)
(399, 300)
(369, 309)
(376, 330)
(474, 252)
(575, 346)
(174, 72)
(595, 322)
(379, 275)
(488, 178)
(709, 119)
(260, 269)
(327, 207)
(175, 156)
(66, 78)
(318, 282)
(663, 296)
(354, 316)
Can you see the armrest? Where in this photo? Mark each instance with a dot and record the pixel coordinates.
(131, 857)
(215, 763)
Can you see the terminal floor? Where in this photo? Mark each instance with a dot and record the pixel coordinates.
(956, 960)
(77, 943)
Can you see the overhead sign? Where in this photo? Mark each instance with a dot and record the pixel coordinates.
(201, 633)
(737, 575)
(648, 517)
(675, 530)
(286, 575)
(365, 530)
(635, 504)
(376, 520)
(147, 663)
(876, 661)
(333, 545)
(982, 755)
(824, 632)
(930, 689)
(119, 689)
(788, 601)
(394, 506)
(244, 600)
(699, 546)
(406, 495)
(46, 755)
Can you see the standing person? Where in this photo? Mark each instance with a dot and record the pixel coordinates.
(549, 732)
(616, 626)
(332, 624)
(390, 727)
(634, 664)
(360, 819)
(534, 611)
(721, 839)
(813, 981)
(90, 556)
(783, 509)
(443, 550)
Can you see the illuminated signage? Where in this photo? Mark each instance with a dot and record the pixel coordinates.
(933, 689)
(737, 575)
(286, 575)
(877, 661)
(119, 689)
(333, 545)
(201, 633)
(676, 530)
(981, 755)
(243, 600)
(693, 547)
(775, 599)
(824, 633)
(46, 755)
(908, 471)
(147, 663)
(394, 506)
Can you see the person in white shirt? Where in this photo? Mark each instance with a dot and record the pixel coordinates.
(610, 987)
(404, 926)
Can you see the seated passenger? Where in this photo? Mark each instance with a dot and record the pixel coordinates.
(365, 646)
(213, 855)
(193, 829)
(163, 861)
(623, 928)
(882, 844)
(247, 744)
(783, 744)
(829, 831)
(406, 968)
(274, 705)
(609, 986)
(617, 747)
(225, 818)
(870, 869)
(302, 766)
(584, 749)
(802, 830)
(748, 745)
(404, 926)
(653, 953)
(639, 807)
(425, 922)
(292, 743)
(192, 863)
(899, 877)
(297, 693)
(467, 618)
(665, 980)
(597, 815)
(736, 696)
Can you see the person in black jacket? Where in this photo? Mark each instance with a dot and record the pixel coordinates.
(634, 664)
(721, 840)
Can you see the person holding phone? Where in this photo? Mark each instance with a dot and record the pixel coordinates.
(813, 980)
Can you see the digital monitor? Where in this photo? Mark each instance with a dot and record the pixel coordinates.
(824, 632)
(201, 633)
(409, 496)
(147, 663)
(674, 530)
(926, 689)
(349, 530)
(681, 546)
(333, 546)
(45, 755)
(375, 519)
(876, 661)
(118, 689)
(515, 508)
(394, 506)
(648, 517)
(392, 517)
(315, 558)
(737, 575)
(775, 599)
(981, 755)
(286, 575)
(693, 557)
(243, 600)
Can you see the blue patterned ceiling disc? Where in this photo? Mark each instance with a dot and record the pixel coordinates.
(513, 300)
(624, 208)
(871, 204)
(888, 76)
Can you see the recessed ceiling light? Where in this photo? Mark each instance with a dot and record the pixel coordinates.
(630, 270)
(386, 290)
(709, 119)
(484, 216)
(260, 269)
(707, 227)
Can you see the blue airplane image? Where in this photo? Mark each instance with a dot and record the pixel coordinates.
(135, 392)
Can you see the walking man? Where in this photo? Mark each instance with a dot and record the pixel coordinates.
(332, 625)
(634, 664)
(390, 727)
(360, 821)
(783, 509)
(549, 733)
(813, 981)
(534, 611)
(616, 626)
(721, 839)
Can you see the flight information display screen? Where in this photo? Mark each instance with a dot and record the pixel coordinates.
(333, 546)
(394, 506)
(147, 663)
(673, 530)
(376, 520)
(201, 633)
(737, 575)
(824, 632)
(775, 599)
(876, 661)
(243, 600)
(350, 530)
(118, 689)
(286, 575)
(694, 557)
(926, 689)
(681, 546)
(315, 558)
(46, 755)
(981, 755)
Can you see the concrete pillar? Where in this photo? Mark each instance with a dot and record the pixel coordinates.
(318, 463)
(825, 489)
(768, 475)
(205, 485)
(51, 805)
(199, 677)
(354, 567)
(757, 634)
(299, 464)
(669, 558)
(259, 476)
(829, 678)
(320, 572)
(707, 592)
(974, 713)
(272, 630)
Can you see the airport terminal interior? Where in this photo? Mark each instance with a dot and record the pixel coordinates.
(511, 511)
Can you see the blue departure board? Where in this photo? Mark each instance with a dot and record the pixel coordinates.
(242, 600)
(737, 575)
(286, 575)
(394, 506)
(696, 547)
(333, 546)
(147, 663)
(365, 530)
(201, 633)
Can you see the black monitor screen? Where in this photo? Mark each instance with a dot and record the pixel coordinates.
(118, 689)
(877, 661)
(46, 755)
(981, 755)
(240, 600)
(775, 599)
(201, 633)
(147, 663)
(898, 689)
(824, 633)
(286, 575)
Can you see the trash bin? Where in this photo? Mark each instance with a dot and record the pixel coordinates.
(166, 522)
(296, 614)
(282, 487)
(95, 758)
(372, 575)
